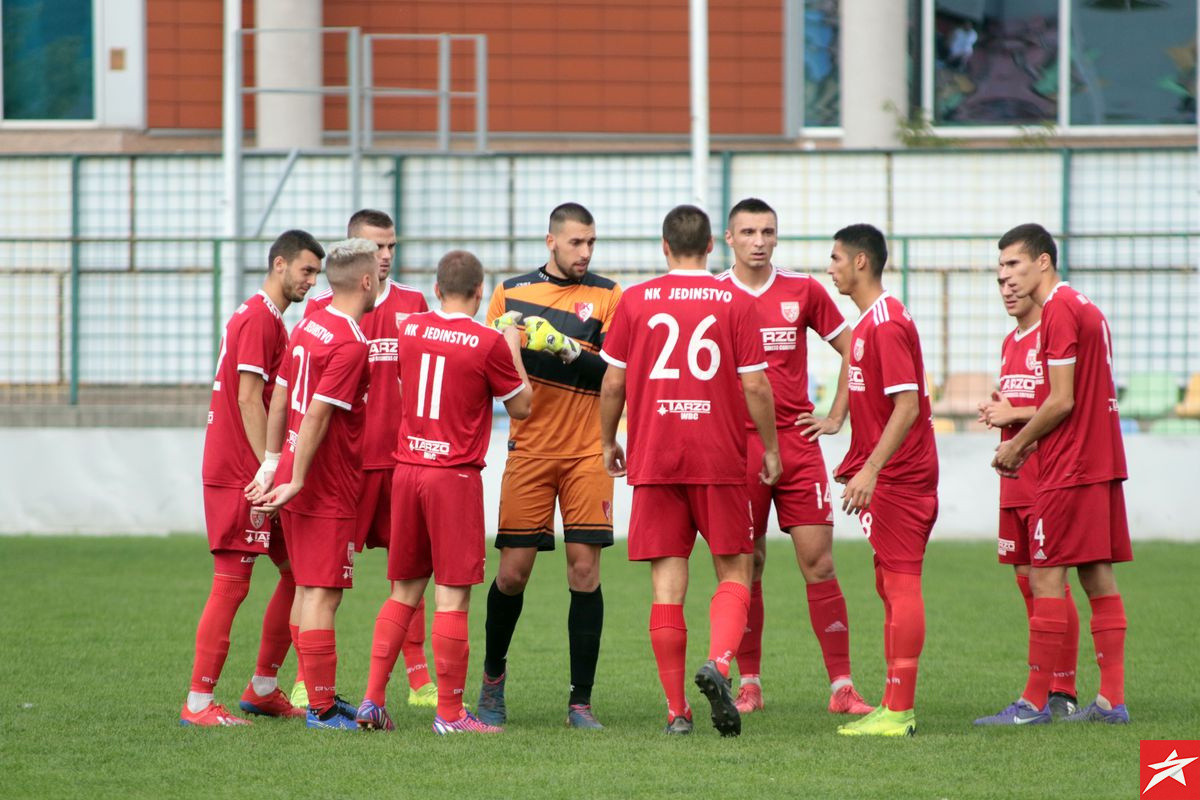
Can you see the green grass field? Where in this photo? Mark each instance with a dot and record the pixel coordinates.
(97, 644)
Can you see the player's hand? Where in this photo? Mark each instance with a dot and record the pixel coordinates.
(512, 335)
(265, 475)
(541, 335)
(772, 468)
(614, 459)
(277, 498)
(508, 319)
(857, 495)
(999, 413)
(1008, 459)
(815, 426)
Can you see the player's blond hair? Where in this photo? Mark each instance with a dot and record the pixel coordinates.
(347, 259)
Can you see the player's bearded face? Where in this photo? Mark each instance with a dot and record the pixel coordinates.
(385, 240)
(300, 275)
(572, 247)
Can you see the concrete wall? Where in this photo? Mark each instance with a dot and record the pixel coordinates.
(139, 481)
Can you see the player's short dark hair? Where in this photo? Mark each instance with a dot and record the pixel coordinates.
(751, 205)
(687, 231)
(348, 260)
(1034, 240)
(459, 273)
(867, 239)
(368, 217)
(291, 244)
(569, 212)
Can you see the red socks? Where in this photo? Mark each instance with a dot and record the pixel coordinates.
(318, 654)
(903, 592)
(1064, 666)
(295, 631)
(1047, 627)
(668, 637)
(827, 612)
(727, 616)
(749, 654)
(276, 637)
(888, 629)
(414, 649)
(212, 634)
(450, 653)
(1108, 635)
(390, 628)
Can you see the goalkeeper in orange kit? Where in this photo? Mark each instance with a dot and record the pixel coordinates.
(554, 455)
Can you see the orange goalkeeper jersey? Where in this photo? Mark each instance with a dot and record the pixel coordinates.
(565, 422)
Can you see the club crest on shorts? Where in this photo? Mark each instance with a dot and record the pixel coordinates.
(790, 310)
(350, 553)
(607, 508)
(584, 311)
(859, 346)
(257, 518)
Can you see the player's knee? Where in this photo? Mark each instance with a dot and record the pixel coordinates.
(512, 579)
(583, 576)
(817, 568)
(760, 562)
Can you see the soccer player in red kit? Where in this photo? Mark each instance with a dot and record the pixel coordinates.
(684, 349)
(451, 368)
(320, 400)
(788, 305)
(891, 470)
(1009, 408)
(234, 448)
(394, 303)
(1079, 511)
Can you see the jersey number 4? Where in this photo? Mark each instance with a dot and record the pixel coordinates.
(696, 344)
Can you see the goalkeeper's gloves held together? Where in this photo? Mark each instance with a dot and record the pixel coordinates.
(541, 335)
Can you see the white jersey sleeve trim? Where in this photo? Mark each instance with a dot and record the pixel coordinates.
(752, 368)
(900, 387)
(255, 369)
(342, 404)
(836, 331)
(504, 398)
(615, 362)
(280, 380)
(1060, 362)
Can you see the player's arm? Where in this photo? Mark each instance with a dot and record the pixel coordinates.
(612, 403)
(905, 409)
(1000, 413)
(312, 432)
(815, 426)
(1012, 454)
(254, 415)
(276, 429)
(760, 402)
(519, 405)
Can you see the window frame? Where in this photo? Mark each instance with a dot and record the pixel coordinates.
(99, 51)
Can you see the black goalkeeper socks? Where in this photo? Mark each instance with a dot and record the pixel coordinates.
(584, 623)
(503, 611)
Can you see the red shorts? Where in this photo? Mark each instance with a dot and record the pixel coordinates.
(373, 525)
(1016, 525)
(233, 527)
(898, 525)
(802, 494)
(1080, 525)
(437, 525)
(663, 520)
(322, 549)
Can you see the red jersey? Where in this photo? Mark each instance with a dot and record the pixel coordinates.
(1020, 375)
(684, 338)
(788, 304)
(1086, 447)
(327, 361)
(254, 340)
(379, 325)
(451, 367)
(885, 358)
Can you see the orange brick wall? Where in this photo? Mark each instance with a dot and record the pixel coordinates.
(574, 66)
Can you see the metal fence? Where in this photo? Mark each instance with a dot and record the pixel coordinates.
(118, 283)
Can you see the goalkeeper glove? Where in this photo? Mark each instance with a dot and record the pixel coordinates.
(541, 335)
(507, 320)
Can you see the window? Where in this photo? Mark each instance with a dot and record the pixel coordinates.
(821, 71)
(1133, 62)
(995, 63)
(47, 60)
